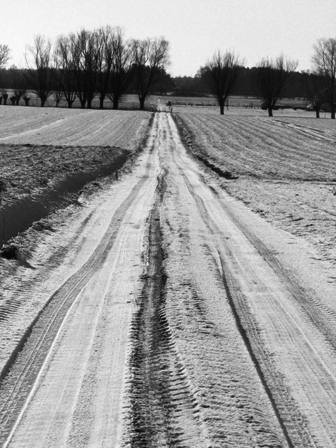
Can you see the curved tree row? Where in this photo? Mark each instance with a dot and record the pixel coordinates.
(100, 62)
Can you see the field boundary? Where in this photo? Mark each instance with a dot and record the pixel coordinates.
(186, 138)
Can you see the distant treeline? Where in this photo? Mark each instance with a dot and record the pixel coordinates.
(245, 86)
(13, 79)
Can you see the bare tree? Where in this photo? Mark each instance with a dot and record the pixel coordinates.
(78, 42)
(270, 78)
(87, 48)
(58, 95)
(324, 61)
(150, 57)
(18, 82)
(316, 92)
(41, 70)
(4, 55)
(64, 55)
(221, 74)
(104, 61)
(18, 93)
(4, 94)
(121, 70)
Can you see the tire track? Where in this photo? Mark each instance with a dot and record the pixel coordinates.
(19, 374)
(318, 313)
(163, 409)
(283, 404)
(291, 421)
(240, 311)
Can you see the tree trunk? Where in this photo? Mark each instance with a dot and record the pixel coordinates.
(101, 101)
(43, 100)
(270, 111)
(142, 103)
(69, 104)
(82, 102)
(332, 98)
(89, 103)
(116, 104)
(317, 113)
(221, 108)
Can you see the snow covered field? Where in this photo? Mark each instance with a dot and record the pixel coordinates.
(286, 168)
(181, 305)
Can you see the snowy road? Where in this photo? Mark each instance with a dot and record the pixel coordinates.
(183, 323)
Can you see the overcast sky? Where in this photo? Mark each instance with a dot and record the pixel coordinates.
(194, 28)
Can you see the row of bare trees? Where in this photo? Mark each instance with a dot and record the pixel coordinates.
(102, 62)
(89, 63)
(269, 78)
(222, 71)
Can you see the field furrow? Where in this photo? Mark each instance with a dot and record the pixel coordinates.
(260, 147)
(76, 127)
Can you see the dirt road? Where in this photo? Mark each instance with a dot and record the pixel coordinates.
(179, 318)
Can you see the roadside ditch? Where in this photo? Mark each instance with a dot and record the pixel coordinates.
(20, 214)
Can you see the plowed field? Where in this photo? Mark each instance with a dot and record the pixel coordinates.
(38, 126)
(277, 148)
(286, 169)
(47, 154)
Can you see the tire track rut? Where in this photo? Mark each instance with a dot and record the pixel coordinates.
(283, 405)
(19, 374)
(294, 424)
(163, 407)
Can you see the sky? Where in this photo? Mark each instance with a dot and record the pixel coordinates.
(195, 28)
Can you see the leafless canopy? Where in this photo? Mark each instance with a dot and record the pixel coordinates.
(106, 36)
(4, 55)
(324, 60)
(64, 56)
(270, 79)
(151, 56)
(221, 74)
(87, 49)
(87, 63)
(121, 66)
(315, 90)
